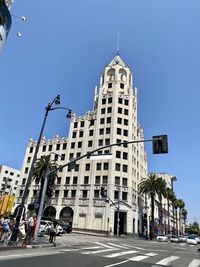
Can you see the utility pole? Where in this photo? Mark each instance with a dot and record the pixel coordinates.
(118, 214)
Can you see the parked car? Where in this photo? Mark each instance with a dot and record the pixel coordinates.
(47, 225)
(191, 240)
(182, 238)
(197, 238)
(162, 238)
(66, 227)
(41, 231)
(174, 239)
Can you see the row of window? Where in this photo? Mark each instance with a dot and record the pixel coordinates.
(121, 85)
(50, 147)
(120, 101)
(84, 194)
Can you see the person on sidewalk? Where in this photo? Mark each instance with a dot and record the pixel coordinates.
(31, 227)
(53, 232)
(5, 228)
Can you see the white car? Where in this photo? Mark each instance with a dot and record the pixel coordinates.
(182, 238)
(162, 238)
(191, 240)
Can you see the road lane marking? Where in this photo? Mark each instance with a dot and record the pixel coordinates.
(139, 258)
(99, 251)
(103, 245)
(168, 260)
(115, 264)
(76, 249)
(118, 246)
(194, 263)
(151, 254)
(118, 254)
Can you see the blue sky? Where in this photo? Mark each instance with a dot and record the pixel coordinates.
(64, 48)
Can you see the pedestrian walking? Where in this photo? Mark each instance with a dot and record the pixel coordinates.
(31, 226)
(53, 232)
(5, 229)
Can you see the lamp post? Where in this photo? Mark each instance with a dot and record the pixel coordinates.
(50, 107)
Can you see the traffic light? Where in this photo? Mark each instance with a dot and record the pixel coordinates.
(160, 144)
(102, 192)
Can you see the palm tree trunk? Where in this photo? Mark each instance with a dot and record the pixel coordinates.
(152, 223)
(176, 222)
(168, 219)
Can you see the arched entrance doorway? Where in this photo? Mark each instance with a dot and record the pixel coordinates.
(67, 215)
(50, 212)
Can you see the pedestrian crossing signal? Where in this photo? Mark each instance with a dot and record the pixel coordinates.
(160, 144)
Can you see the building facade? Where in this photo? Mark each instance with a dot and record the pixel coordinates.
(77, 197)
(5, 20)
(9, 179)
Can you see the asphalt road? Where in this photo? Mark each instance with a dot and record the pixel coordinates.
(81, 251)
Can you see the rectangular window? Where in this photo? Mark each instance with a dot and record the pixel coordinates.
(87, 166)
(109, 85)
(109, 120)
(57, 193)
(119, 131)
(76, 168)
(119, 110)
(125, 155)
(75, 124)
(118, 154)
(78, 154)
(85, 193)
(98, 166)
(105, 166)
(107, 130)
(107, 141)
(109, 109)
(125, 122)
(28, 159)
(100, 142)
(73, 134)
(79, 144)
(24, 181)
(126, 102)
(120, 100)
(64, 146)
(103, 111)
(75, 180)
(101, 131)
(125, 145)
(73, 193)
(102, 121)
(91, 122)
(86, 179)
(125, 111)
(58, 180)
(31, 149)
(110, 100)
(44, 148)
(125, 132)
(55, 157)
(26, 170)
(91, 132)
(71, 155)
(125, 168)
(96, 193)
(73, 145)
(124, 196)
(58, 147)
(82, 123)
(117, 180)
(67, 180)
(124, 181)
(121, 85)
(105, 179)
(103, 101)
(97, 179)
(65, 193)
(116, 195)
(81, 134)
(119, 120)
(117, 166)
(90, 143)
(62, 156)
(21, 193)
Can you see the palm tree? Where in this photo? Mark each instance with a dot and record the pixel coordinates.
(43, 165)
(169, 196)
(161, 191)
(149, 186)
(184, 216)
(173, 200)
(180, 205)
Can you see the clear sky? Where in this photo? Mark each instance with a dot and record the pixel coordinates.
(64, 48)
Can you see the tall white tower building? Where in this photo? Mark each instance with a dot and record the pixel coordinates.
(76, 197)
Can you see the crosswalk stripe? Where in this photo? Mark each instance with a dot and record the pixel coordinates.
(118, 254)
(151, 254)
(139, 258)
(168, 260)
(103, 245)
(115, 245)
(99, 251)
(117, 263)
(75, 249)
(194, 263)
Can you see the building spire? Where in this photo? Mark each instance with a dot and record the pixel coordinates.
(118, 35)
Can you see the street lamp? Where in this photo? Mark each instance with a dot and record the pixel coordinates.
(56, 101)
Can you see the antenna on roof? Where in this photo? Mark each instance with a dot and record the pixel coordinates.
(118, 35)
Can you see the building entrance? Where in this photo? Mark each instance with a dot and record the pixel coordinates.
(67, 215)
(122, 223)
